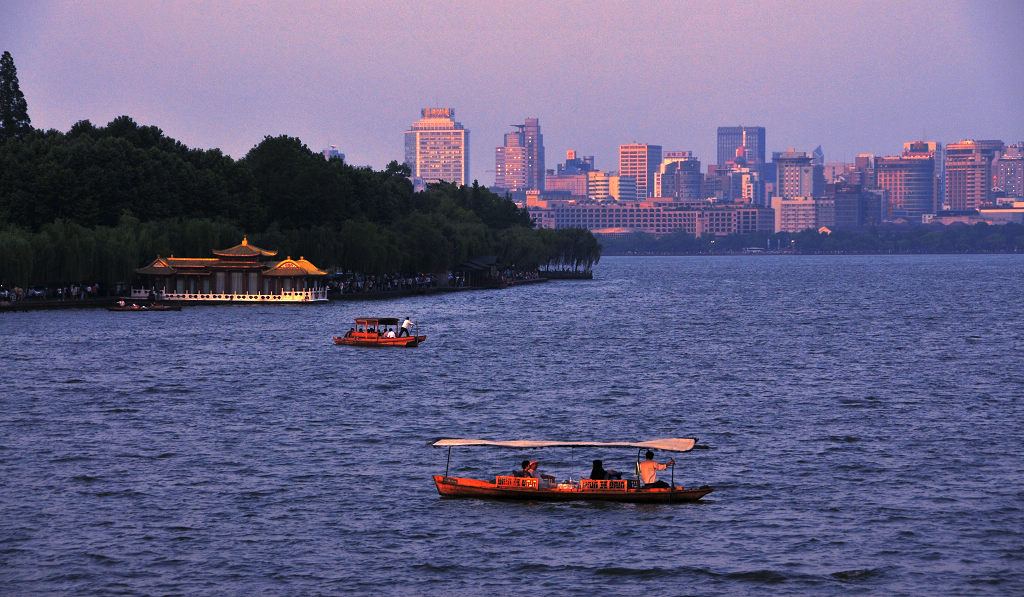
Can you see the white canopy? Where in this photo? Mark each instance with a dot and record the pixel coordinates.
(668, 444)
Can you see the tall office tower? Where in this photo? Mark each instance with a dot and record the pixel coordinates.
(519, 163)
(640, 161)
(534, 143)
(679, 177)
(510, 163)
(1010, 171)
(796, 175)
(970, 173)
(437, 148)
(751, 138)
(937, 152)
(909, 181)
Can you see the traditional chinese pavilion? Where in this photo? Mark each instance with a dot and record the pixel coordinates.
(239, 274)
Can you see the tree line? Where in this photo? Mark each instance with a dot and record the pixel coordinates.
(95, 203)
(927, 238)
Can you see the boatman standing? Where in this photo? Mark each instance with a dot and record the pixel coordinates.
(649, 471)
(405, 327)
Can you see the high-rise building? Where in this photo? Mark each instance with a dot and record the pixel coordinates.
(332, 152)
(970, 173)
(863, 172)
(794, 214)
(510, 163)
(571, 176)
(750, 138)
(1010, 171)
(797, 175)
(743, 185)
(679, 177)
(909, 181)
(437, 148)
(575, 164)
(640, 161)
(519, 163)
(623, 188)
(598, 186)
(855, 207)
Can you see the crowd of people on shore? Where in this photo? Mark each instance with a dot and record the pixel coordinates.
(70, 292)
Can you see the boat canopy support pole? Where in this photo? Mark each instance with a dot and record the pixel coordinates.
(449, 461)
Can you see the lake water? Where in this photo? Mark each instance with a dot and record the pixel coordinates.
(864, 417)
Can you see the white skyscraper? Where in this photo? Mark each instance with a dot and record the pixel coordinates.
(437, 148)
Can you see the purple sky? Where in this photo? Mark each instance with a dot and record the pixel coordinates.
(854, 77)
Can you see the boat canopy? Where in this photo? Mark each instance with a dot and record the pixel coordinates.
(668, 444)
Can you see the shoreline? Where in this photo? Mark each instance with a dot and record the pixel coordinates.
(105, 302)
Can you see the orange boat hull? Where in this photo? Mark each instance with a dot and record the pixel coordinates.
(376, 341)
(458, 487)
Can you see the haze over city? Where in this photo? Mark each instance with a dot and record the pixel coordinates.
(851, 77)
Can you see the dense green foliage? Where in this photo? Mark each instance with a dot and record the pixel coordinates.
(933, 238)
(95, 203)
(14, 120)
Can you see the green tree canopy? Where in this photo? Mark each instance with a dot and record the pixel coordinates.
(14, 120)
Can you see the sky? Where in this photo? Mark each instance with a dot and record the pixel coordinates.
(853, 77)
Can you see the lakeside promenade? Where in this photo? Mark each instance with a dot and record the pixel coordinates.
(103, 302)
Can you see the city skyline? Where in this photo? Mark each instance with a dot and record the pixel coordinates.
(854, 79)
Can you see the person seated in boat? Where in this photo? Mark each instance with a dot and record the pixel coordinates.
(649, 471)
(405, 327)
(531, 471)
(598, 473)
(349, 333)
(389, 334)
(522, 472)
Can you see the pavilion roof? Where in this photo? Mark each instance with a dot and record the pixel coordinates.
(294, 267)
(245, 250)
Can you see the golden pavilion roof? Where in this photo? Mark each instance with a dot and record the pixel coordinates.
(166, 266)
(294, 267)
(245, 250)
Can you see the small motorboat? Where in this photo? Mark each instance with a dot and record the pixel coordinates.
(121, 306)
(513, 487)
(379, 331)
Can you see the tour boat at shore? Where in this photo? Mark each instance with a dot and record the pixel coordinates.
(378, 332)
(513, 487)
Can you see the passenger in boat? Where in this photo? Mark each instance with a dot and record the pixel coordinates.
(524, 471)
(649, 471)
(599, 473)
(349, 333)
(405, 327)
(531, 471)
(389, 334)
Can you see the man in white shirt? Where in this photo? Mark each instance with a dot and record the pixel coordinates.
(649, 471)
(405, 327)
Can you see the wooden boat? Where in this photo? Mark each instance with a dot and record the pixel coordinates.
(511, 487)
(373, 331)
(144, 307)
